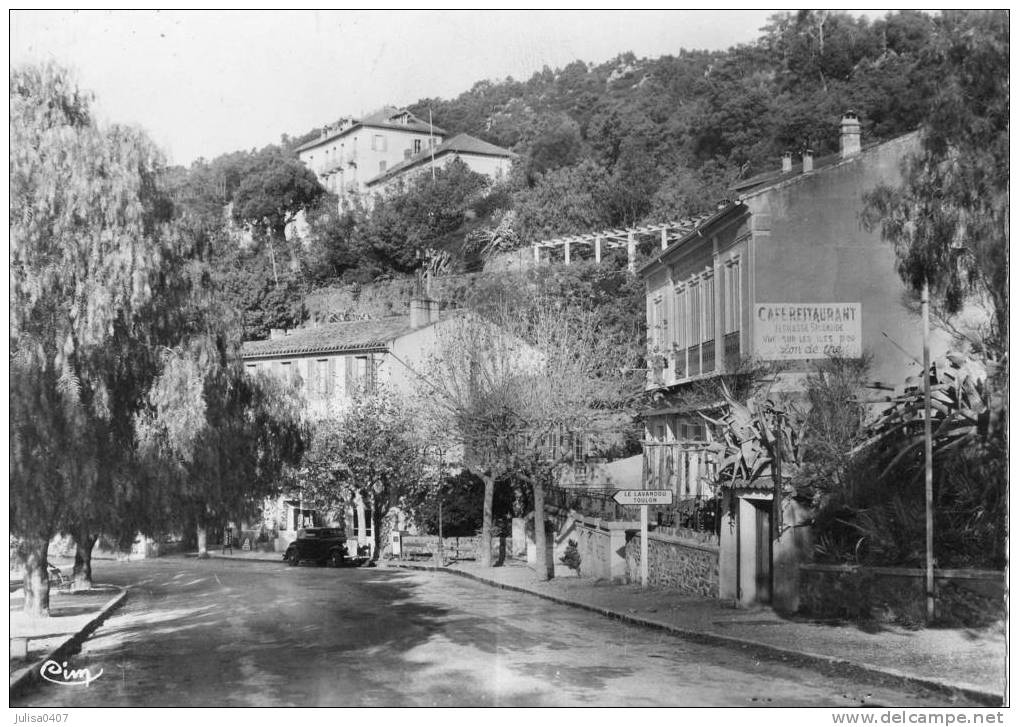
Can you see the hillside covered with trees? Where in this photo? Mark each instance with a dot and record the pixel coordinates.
(629, 141)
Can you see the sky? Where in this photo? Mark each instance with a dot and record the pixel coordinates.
(203, 83)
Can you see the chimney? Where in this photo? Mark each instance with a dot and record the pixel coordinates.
(787, 161)
(423, 311)
(850, 138)
(276, 333)
(808, 160)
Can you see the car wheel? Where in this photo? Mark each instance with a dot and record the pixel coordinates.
(292, 559)
(336, 559)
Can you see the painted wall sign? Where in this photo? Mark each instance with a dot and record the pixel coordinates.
(787, 331)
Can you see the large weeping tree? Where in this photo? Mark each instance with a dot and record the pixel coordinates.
(83, 229)
(214, 441)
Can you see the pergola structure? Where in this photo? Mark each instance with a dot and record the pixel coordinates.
(664, 234)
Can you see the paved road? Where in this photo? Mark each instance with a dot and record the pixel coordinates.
(228, 633)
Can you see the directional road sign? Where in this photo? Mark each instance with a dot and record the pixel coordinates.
(643, 497)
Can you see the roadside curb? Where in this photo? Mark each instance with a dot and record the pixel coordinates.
(828, 665)
(239, 558)
(24, 678)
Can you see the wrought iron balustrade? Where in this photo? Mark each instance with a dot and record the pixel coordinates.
(707, 357)
(730, 351)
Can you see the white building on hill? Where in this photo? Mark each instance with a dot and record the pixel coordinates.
(359, 157)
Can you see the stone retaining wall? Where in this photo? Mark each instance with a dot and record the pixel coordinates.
(896, 595)
(682, 564)
(593, 547)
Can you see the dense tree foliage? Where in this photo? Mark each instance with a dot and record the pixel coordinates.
(109, 291)
(274, 189)
(85, 219)
(214, 440)
(369, 454)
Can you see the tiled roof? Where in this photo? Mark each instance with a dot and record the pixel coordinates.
(459, 144)
(332, 337)
(385, 116)
(382, 119)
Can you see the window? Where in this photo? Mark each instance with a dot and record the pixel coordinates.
(251, 368)
(290, 374)
(378, 142)
(679, 329)
(578, 446)
(320, 378)
(694, 319)
(708, 295)
(732, 295)
(382, 166)
(360, 373)
(658, 321)
(417, 146)
(692, 430)
(367, 524)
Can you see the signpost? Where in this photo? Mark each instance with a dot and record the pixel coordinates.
(643, 498)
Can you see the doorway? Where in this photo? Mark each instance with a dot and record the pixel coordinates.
(754, 551)
(762, 552)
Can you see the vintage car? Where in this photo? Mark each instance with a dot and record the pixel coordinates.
(325, 546)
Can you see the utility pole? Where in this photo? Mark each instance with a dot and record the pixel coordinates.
(431, 142)
(928, 463)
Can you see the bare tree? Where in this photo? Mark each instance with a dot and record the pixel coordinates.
(510, 375)
(579, 389)
(475, 380)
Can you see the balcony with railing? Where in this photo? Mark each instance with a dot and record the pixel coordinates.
(693, 360)
(707, 357)
(731, 351)
(684, 364)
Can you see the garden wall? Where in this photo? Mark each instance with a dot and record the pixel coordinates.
(896, 595)
(593, 545)
(686, 562)
(427, 546)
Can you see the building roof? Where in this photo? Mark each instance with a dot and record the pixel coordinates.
(387, 118)
(459, 144)
(762, 183)
(345, 336)
(767, 180)
(704, 221)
